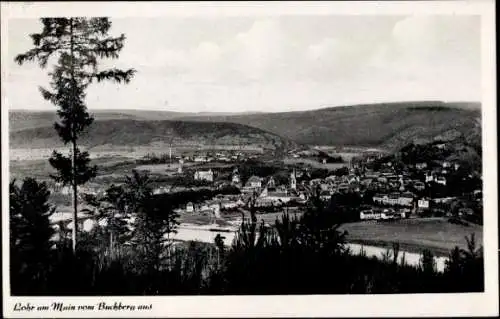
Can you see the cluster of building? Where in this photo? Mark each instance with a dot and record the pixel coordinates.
(264, 191)
(213, 207)
(393, 192)
(219, 156)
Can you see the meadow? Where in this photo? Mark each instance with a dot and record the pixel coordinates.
(413, 235)
(314, 163)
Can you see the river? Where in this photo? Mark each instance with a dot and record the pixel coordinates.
(188, 232)
(203, 233)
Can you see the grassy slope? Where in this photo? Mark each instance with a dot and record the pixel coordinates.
(387, 125)
(25, 119)
(129, 132)
(414, 235)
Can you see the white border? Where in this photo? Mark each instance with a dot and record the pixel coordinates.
(480, 304)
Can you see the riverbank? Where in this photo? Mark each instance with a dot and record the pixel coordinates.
(414, 235)
(207, 234)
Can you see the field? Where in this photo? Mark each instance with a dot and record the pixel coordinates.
(414, 235)
(41, 169)
(314, 163)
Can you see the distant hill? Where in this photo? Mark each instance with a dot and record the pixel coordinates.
(23, 119)
(387, 125)
(129, 132)
(384, 125)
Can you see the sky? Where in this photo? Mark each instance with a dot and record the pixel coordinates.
(272, 63)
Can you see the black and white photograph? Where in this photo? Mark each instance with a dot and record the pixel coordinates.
(246, 153)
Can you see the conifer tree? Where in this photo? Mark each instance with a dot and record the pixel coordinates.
(31, 234)
(78, 44)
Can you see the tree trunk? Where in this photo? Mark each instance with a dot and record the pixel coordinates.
(75, 199)
(111, 244)
(73, 158)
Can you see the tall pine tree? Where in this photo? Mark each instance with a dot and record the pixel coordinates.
(31, 235)
(78, 44)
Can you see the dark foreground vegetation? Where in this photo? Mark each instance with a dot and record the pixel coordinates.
(305, 255)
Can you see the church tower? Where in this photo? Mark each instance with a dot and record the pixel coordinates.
(401, 184)
(293, 180)
(179, 169)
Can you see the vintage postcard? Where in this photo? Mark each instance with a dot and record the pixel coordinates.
(249, 159)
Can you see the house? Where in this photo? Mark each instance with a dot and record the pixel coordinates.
(161, 190)
(429, 177)
(325, 195)
(384, 199)
(405, 199)
(343, 187)
(393, 199)
(465, 211)
(228, 204)
(204, 175)
(200, 159)
(423, 204)
(189, 207)
(421, 165)
(418, 185)
(369, 215)
(276, 195)
(388, 213)
(380, 198)
(441, 180)
(254, 182)
(264, 202)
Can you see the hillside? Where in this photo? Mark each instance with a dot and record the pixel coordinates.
(388, 125)
(129, 132)
(23, 119)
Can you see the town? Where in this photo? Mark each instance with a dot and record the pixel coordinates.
(384, 187)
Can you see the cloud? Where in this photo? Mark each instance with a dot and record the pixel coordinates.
(433, 40)
(433, 55)
(275, 63)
